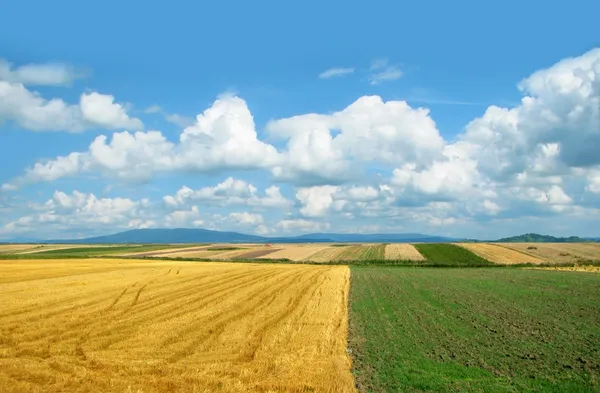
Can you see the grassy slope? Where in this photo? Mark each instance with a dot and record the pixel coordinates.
(486, 330)
(450, 254)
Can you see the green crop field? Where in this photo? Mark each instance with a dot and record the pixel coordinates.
(483, 330)
(450, 255)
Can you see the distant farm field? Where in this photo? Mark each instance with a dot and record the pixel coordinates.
(401, 251)
(558, 252)
(91, 325)
(498, 254)
(450, 255)
(474, 330)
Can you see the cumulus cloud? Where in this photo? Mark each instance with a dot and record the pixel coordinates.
(369, 130)
(32, 112)
(536, 158)
(228, 193)
(336, 72)
(301, 225)
(223, 137)
(46, 74)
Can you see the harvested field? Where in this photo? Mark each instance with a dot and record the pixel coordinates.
(166, 253)
(402, 251)
(53, 247)
(9, 248)
(192, 254)
(497, 254)
(588, 269)
(156, 326)
(257, 253)
(328, 254)
(558, 252)
(351, 253)
(295, 252)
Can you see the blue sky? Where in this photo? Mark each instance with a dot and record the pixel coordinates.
(371, 117)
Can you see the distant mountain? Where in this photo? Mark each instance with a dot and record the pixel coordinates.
(537, 238)
(182, 235)
(378, 238)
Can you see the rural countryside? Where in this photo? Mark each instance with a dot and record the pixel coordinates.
(335, 197)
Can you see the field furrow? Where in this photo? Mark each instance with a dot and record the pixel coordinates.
(163, 326)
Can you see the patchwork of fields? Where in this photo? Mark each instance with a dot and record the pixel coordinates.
(155, 326)
(136, 318)
(460, 254)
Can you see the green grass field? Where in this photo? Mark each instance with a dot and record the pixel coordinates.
(450, 255)
(476, 330)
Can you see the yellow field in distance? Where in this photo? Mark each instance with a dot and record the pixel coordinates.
(402, 251)
(127, 325)
(558, 252)
(295, 252)
(497, 254)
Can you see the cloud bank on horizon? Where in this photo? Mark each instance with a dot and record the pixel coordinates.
(375, 165)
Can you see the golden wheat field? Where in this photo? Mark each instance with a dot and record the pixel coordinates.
(402, 251)
(558, 252)
(155, 326)
(497, 254)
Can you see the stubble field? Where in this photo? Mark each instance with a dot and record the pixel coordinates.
(558, 252)
(152, 326)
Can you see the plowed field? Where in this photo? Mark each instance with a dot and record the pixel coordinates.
(155, 326)
(497, 254)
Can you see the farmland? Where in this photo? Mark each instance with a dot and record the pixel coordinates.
(462, 330)
(450, 255)
(498, 254)
(139, 325)
(558, 252)
(400, 251)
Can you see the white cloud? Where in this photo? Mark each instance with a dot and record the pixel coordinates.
(101, 110)
(335, 72)
(246, 218)
(301, 225)
(153, 109)
(377, 161)
(47, 74)
(316, 201)
(370, 130)
(184, 218)
(32, 112)
(229, 192)
(382, 71)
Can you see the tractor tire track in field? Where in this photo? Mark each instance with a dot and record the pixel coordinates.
(219, 326)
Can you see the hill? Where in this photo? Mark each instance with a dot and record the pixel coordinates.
(183, 235)
(537, 238)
